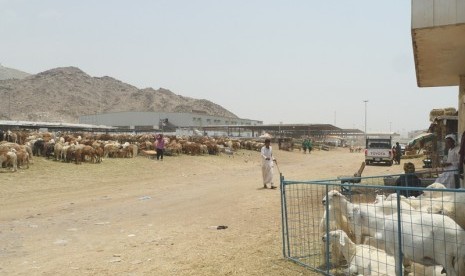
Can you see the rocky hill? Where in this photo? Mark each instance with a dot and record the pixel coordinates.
(63, 94)
(10, 73)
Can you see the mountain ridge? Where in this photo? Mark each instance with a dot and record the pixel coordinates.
(63, 94)
(10, 73)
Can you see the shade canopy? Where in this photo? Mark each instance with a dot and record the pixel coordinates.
(422, 138)
(265, 135)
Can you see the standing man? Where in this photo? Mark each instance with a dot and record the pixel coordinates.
(307, 144)
(451, 164)
(160, 146)
(394, 154)
(267, 164)
(398, 153)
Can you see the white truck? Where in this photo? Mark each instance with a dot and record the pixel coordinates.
(379, 150)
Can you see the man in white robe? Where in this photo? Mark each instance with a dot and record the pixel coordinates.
(452, 163)
(267, 164)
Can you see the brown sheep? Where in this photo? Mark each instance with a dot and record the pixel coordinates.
(9, 157)
(99, 154)
(23, 158)
(88, 153)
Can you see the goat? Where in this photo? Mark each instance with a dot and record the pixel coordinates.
(361, 258)
(428, 239)
(338, 207)
(342, 209)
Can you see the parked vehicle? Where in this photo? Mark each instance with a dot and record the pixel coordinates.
(379, 150)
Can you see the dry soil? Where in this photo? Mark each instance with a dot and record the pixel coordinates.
(145, 217)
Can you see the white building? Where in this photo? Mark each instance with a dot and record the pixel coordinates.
(165, 121)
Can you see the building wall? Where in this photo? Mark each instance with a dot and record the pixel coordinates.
(434, 13)
(152, 119)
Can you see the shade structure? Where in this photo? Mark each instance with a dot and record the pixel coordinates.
(265, 135)
(422, 138)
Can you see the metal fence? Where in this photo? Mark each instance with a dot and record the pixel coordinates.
(432, 244)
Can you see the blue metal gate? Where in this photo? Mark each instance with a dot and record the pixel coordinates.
(303, 210)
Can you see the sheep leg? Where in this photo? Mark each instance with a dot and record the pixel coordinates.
(449, 267)
(358, 234)
(352, 270)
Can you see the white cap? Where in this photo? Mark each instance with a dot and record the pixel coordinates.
(451, 136)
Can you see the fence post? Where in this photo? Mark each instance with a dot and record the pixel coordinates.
(399, 233)
(285, 231)
(327, 232)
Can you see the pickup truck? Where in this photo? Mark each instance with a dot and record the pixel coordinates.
(378, 150)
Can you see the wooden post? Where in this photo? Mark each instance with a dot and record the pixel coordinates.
(360, 171)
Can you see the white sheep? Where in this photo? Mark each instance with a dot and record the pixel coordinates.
(421, 270)
(440, 202)
(414, 205)
(361, 258)
(431, 201)
(336, 256)
(384, 206)
(388, 205)
(428, 239)
(434, 194)
(341, 210)
(453, 207)
(379, 199)
(338, 208)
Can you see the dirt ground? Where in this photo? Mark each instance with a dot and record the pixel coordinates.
(145, 217)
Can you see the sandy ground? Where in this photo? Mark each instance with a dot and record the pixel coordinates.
(146, 217)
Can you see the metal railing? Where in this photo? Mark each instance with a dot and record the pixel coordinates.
(303, 225)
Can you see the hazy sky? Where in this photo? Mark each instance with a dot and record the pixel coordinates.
(276, 61)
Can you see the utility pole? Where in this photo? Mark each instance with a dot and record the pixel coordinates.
(365, 101)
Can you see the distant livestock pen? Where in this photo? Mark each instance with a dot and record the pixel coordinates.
(19, 148)
(335, 227)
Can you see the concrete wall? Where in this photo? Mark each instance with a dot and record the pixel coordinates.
(434, 13)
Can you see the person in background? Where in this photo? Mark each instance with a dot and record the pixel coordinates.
(394, 154)
(307, 144)
(451, 165)
(267, 164)
(160, 146)
(398, 153)
(462, 157)
(409, 179)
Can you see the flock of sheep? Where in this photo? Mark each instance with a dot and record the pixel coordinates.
(17, 149)
(372, 237)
